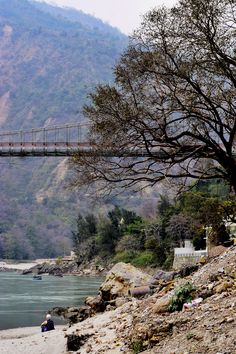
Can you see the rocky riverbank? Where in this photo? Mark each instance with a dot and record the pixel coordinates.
(61, 267)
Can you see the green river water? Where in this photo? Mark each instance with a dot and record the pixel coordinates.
(24, 301)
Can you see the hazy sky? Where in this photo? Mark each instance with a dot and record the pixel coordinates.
(124, 14)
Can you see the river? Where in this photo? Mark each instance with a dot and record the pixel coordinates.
(24, 301)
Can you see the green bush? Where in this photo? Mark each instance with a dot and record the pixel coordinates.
(138, 259)
(182, 295)
(144, 259)
(167, 265)
(125, 256)
(137, 347)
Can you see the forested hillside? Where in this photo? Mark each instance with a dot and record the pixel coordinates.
(50, 59)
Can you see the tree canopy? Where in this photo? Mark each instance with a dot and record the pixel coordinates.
(173, 101)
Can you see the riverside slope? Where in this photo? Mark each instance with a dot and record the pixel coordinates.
(208, 328)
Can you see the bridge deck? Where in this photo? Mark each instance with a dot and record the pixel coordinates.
(43, 149)
(61, 149)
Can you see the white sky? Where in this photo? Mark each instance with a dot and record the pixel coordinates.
(123, 14)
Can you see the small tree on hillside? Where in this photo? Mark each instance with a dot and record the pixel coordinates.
(84, 237)
(180, 228)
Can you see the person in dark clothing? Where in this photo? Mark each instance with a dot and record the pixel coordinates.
(47, 325)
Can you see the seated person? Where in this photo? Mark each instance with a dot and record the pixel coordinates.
(47, 325)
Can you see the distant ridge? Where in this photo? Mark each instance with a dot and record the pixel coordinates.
(74, 15)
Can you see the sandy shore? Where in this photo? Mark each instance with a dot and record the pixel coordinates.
(26, 265)
(30, 340)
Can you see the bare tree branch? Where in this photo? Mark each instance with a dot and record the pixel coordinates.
(175, 93)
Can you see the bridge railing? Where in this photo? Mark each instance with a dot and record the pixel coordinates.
(69, 133)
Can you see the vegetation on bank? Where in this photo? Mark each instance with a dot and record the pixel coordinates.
(124, 236)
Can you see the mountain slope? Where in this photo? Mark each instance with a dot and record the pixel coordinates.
(50, 60)
(48, 65)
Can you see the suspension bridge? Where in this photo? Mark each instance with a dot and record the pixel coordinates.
(66, 140)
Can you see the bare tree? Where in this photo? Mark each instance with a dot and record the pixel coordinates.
(172, 110)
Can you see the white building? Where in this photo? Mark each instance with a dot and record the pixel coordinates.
(187, 255)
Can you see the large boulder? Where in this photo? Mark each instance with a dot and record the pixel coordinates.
(120, 279)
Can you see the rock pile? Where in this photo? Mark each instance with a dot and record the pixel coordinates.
(146, 325)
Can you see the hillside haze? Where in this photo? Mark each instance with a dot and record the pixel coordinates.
(50, 59)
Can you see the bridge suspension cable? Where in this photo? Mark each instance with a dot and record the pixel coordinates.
(64, 140)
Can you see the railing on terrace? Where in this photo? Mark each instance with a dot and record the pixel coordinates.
(194, 254)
